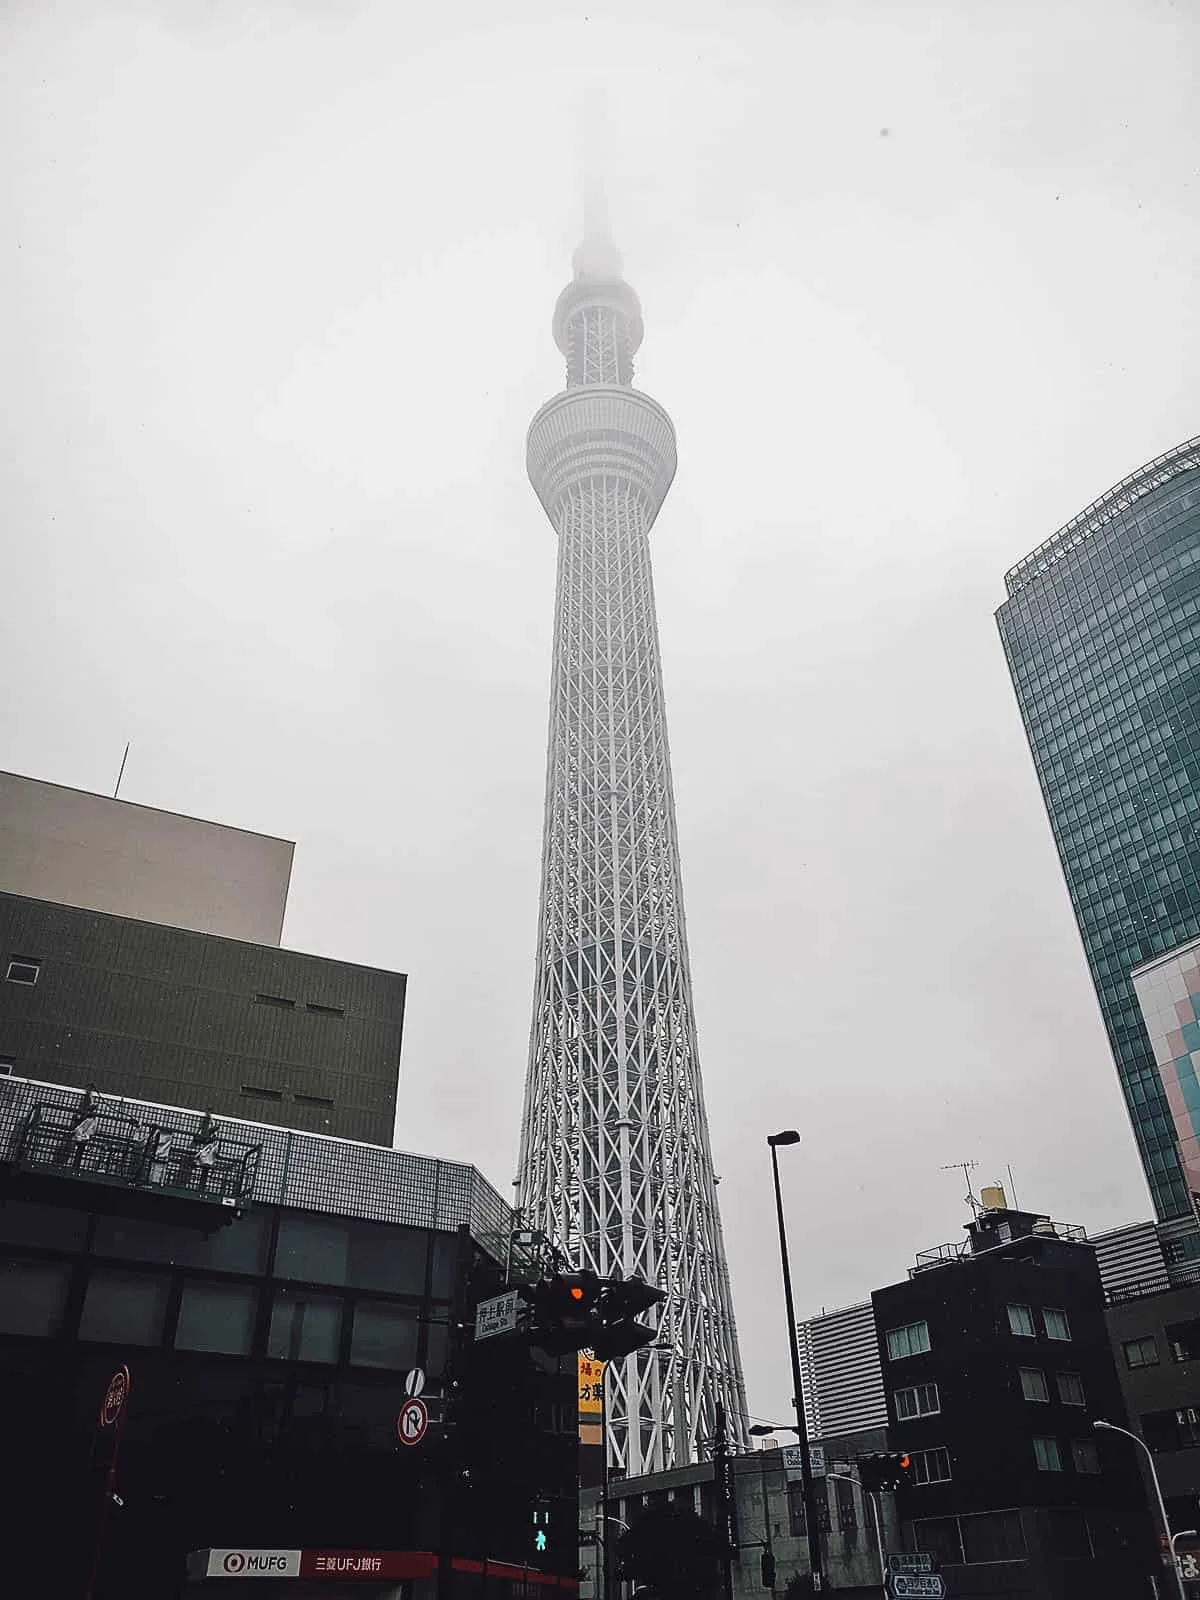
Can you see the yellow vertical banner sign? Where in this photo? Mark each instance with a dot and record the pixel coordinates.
(591, 1399)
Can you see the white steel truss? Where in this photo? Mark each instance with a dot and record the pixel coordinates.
(615, 1160)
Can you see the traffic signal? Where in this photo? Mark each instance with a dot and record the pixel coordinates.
(884, 1472)
(540, 1533)
(580, 1311)
(623, 1301)
(564, 1312)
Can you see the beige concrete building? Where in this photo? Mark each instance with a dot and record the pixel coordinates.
(88, 850)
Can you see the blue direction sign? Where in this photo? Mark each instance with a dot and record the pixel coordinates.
(917, 1585)
(910, 1561)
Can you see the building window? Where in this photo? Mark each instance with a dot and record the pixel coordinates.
(437, 1347)
(325, 1011)
(921, 1400)
(275, 1000)
(217, 1317)
(1085, 1455)
(362, 1255)
(1183, 1340)
(911, 1340)
(1070, 1389)
(797, 1522)
(1141, 1352)
(251, 1091)
(23, 969)
(305, 1326)
(1033, 1384)
(1069, 1538)
(238, 1247)
(1020, 1321)
(1187, 1427)
(931, 1466)
(993, 1536)
(846, 1510)
(314, 1100)
(1057, 1326)
(384, 1336)
(1048, 1455)
(124, 1308)
(942, 1538)
(32, 1296)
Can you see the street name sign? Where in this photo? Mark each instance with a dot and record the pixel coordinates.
(497, 1315)
(917, 1585)
(910, 1561)
(791, 1460)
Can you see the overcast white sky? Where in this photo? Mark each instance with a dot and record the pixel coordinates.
(919, 282)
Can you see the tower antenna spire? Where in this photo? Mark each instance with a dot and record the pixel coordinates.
(597, 255)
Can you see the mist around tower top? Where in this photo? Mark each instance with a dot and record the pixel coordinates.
(597, 255)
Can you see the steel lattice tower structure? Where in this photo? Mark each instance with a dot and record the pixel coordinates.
(615, 1159)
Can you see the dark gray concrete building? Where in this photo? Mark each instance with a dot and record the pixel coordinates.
(145, 1011)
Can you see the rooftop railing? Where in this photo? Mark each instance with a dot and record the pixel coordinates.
(111, 1147)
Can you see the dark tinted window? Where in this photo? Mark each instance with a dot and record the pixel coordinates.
(359, 1255)
(445, 1261)
(123, 1308)
(940, 1538)
(305, 1326)
(1141, 1352)
(1183, 1340)
(994, 1536)
(239, 1247)
(54, 1227)
(438, 1334)
(384, 1336)
(217, 1317)
(1069, 1534)
(388, 1258)
(316, 1252)
(32, 1296)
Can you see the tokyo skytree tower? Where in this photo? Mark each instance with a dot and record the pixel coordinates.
(615, 1162)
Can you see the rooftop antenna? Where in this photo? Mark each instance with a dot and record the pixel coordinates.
(121, 774)
(966, 1168)
(1012, 1187)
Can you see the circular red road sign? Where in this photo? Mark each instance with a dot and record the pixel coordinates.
(115, 1397)
(412, 1421)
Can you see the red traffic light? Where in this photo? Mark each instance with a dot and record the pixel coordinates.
(576, 1292)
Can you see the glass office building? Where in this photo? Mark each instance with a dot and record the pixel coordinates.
(1101, 629)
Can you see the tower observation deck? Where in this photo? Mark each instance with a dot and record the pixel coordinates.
(615, 1161)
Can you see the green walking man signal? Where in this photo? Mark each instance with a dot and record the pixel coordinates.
(541, 1527)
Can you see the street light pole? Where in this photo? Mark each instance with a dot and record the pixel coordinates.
(1184, 1533)
(1111, 1427)
(790, 1136)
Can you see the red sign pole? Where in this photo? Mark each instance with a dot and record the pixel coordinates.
(112, 1415)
